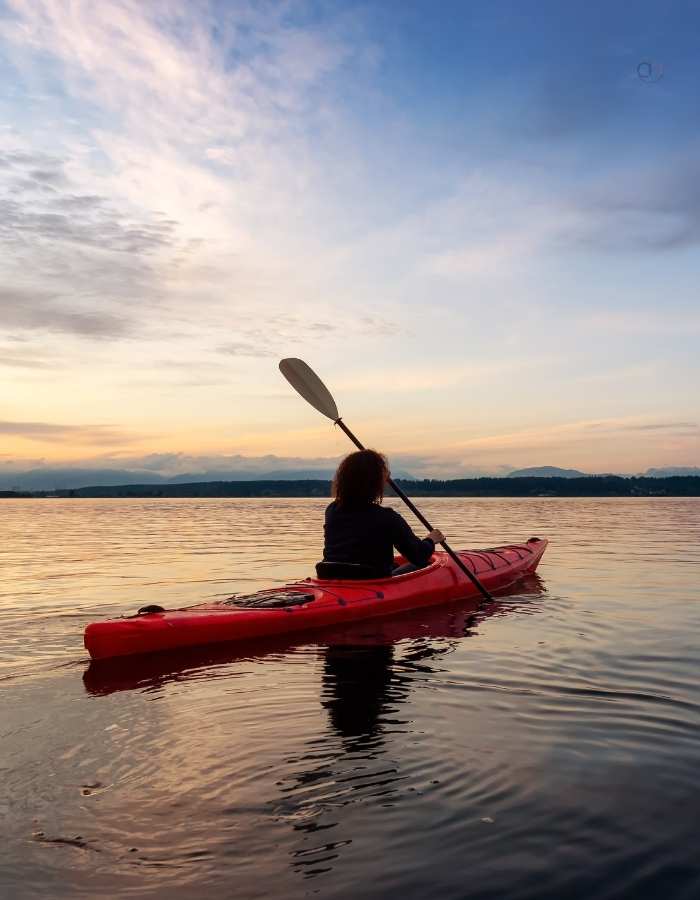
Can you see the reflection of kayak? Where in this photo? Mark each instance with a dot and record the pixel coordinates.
(309, 604)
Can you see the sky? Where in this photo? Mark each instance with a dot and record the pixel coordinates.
(479, 222)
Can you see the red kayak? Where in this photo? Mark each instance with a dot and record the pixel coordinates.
(312, 603)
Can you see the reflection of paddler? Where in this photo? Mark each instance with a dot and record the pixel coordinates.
(358, 684)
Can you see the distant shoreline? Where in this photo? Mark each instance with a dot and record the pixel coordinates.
(589, 486)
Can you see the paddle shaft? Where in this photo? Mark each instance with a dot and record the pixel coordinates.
(419, 515)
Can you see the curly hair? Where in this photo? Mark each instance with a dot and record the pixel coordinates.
(360, 479)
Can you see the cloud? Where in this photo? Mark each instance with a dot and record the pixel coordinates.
(39, 429)
(172, 465)
(74, 434)
(235, 466)
(26, 310)
(60, 215)
(570, 443)
(82, 221)
(662, 426)
(646, 208)
(284, 331)
(25, 357)
(246, 348)
(74, 262)
(501, 221)
(192, 184)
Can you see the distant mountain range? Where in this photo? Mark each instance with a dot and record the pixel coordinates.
(670, 471)
(555, 472)
(50, 479)
(63, 479)
(546, 472)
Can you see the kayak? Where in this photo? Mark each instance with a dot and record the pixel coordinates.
(454, 619)
(310, 604)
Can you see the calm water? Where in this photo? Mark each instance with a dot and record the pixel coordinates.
(548, 748)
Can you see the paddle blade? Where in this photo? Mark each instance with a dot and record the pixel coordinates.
(307, 383)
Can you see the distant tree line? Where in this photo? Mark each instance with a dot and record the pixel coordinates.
(590, 486)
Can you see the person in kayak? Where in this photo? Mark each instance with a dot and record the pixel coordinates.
(360, 532)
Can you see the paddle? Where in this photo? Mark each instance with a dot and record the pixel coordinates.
(307, 383)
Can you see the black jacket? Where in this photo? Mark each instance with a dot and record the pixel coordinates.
(367, 534)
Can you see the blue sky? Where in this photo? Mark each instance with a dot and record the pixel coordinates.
(478, 221)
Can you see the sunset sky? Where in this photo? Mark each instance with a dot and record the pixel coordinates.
(479, 222)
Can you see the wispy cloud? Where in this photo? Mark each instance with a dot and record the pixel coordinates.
(195, 163)
(25, 309)
(171, 465)
(232, 466)
(19, 357)
(40, 429)
(643, 208)
(501, 218)
(665, 426)
(49, 432)
(284, 334)
(73, 262)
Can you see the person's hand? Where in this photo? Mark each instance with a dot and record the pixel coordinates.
(436, 536)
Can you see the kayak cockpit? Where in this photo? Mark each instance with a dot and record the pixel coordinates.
(357, 573)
